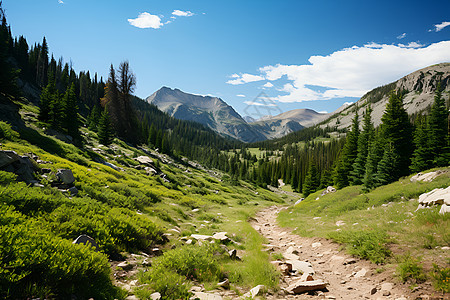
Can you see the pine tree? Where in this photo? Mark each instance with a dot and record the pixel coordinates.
(421, 159)
(374, 155)
(70, 113)
(94, 117)
(397, 130)
(364, 139)
(387, 164)
(105, 133)
(348, 155)
(438, 134)
(8, 74)
(311, 183)
(46, 98)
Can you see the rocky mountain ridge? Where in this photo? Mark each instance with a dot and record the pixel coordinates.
(418, 87)
(216, 114)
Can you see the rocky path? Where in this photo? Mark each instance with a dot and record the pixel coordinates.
(345, 276)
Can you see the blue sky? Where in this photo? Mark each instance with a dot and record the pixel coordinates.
(301, 54)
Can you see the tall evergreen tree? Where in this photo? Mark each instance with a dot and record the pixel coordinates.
(438, 134)
(348, 155)
(374, 155)
(397, 130)
(364, 139)
(47, 97)
(70, 120)
(421, 158)
(105, 131)
(387, 163)
(312, 182)
(8, 74)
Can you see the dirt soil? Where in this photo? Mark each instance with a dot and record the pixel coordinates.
(347, 277)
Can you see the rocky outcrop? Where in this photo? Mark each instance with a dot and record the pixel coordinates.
(21, 165)
(436, 197)
(419, 88)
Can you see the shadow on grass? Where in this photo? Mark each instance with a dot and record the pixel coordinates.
(37, 139)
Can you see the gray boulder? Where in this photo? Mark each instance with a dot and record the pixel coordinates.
(144, 160)
(65, 175)
(7, 157)
(86, 240)
(306, 286)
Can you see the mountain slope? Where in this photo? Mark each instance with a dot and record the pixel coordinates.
(419, 88)
(210, 111)
(222, 118)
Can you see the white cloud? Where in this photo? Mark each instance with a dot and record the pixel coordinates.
(259, 103)
(268, 85)
(240, 95)
(180, 13)
(60, 2)
(146, 20)
(402, 36)
(348, 103)
(439, 27)
(349, 72)
(244, 78)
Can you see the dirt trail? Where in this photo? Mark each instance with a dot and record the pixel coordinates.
(348, 278)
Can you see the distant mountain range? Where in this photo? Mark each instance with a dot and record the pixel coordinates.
(214, 113)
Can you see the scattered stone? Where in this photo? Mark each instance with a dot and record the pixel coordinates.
(349, 261)
(386, 293)
(221, 236)
(225, 284)
(132, 297)
(155, 296)
(86, 240)
(146, 262)
(257, 290)
(65, 175)
(298, 201)
(373, 291)
(315, 245)
(233, 254)
(361, 273)
(329, 189)
(144, 160)
(205, 296)
(201, 237)
(73, 191)
(306, 286)
(317, 218)
(301, 266)
(126, 266)
(156, 251)
(340, 223)
(330, 297)
(195, 210)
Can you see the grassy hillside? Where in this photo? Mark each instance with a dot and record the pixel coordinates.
(382, 226)
(125, 210)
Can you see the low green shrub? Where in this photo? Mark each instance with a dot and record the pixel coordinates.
(6, 178)
(169, 272)
(410, 270)
(441, 278)
(35, 263)
(371, 245)
(6, 131)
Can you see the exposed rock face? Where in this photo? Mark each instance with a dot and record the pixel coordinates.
(436, 197)
(419, 86)
(22, 166)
